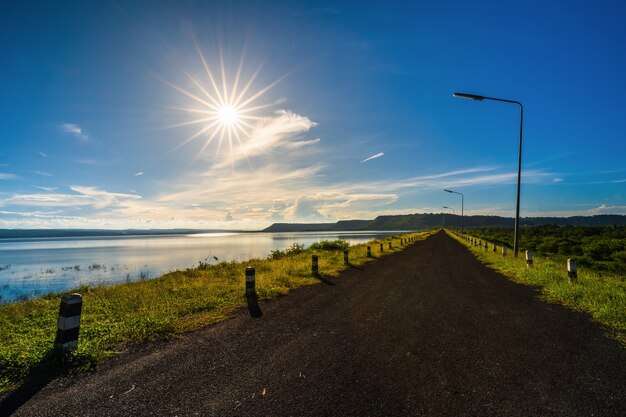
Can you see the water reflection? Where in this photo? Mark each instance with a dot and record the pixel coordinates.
(34, 267)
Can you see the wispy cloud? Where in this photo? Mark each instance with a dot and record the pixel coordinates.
(7, 176)
(42, 154)
(83, 196)
(139, 174)
(74, 130)
(48, 189)
(280, 130)
(44, 174)
(378, 155)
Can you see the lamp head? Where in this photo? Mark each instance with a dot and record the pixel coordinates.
(469, 96)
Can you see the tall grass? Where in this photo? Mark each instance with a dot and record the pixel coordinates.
(116, 316)
(602, 295)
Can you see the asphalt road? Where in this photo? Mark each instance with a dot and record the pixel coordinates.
(427, 331)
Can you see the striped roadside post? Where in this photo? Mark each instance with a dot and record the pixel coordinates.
(314, 265)
(495, 248)
(503, 250)
(381, 247)
(250, 281)
(68, 323)
(390, 245)
(369, 252)
(529, 258)
(345, 257)
(572, 273)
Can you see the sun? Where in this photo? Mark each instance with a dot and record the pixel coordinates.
(224, 110)
(228, 115)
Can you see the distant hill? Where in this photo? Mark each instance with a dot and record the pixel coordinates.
(427, 221)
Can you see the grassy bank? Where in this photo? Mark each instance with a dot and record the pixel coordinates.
(602, 295)
(117, 316)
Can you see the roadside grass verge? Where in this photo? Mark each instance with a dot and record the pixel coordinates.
(602, 295)
(116, 316)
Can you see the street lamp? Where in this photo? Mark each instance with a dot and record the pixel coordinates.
(462, 204)
(519, 158)
(444, 214)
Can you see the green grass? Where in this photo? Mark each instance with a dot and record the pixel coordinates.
(120, 315)
(602, 295)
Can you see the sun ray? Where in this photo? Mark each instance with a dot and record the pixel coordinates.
(195, 135)
(226, 101)
(193, 80)
(227, 111)
(263, 91)
(247, 86)
(238, 75)
(208, 71)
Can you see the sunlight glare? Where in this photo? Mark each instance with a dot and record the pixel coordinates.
(223, 110)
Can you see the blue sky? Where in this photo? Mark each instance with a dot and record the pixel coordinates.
(98, 99)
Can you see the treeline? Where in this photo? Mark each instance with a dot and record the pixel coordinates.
(601, 248)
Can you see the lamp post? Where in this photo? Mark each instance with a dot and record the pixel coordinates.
(519, 158)
(444, 214)
(462, 204)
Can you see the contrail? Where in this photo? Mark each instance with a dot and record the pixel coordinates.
(378, 155)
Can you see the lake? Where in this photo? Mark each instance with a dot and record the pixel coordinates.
(36, 266)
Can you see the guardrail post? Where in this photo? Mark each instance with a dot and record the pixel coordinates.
(69, 323)
(314, 266)
(572, 273)
(529, 258)
(250, 280)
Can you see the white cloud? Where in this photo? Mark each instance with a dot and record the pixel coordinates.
(44, 174)
(139, 174)
(84, 196)
(270, 133)
(48, 189)
(74, 130)
(378, 155)
(42, 154)
(557, 180)
(7, 176)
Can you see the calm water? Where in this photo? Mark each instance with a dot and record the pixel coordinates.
(34, 267)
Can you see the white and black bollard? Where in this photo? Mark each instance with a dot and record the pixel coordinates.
(486, 245)
(495, 248)
(250, 281)
(69, 323)
(314, 267)
(503, 250)
(390, 247)
(369, 252)
(529, 258)
(572, 272)
(345, 257)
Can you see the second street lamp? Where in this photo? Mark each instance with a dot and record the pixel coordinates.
(519, 158)
(462, 209)
(444, 214)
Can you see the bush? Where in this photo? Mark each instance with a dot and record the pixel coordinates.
(294, 249)
(330, 245)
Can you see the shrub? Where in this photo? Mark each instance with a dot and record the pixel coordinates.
(330, 245)
(294, 249)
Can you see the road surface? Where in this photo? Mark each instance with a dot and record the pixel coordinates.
(429, 331)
